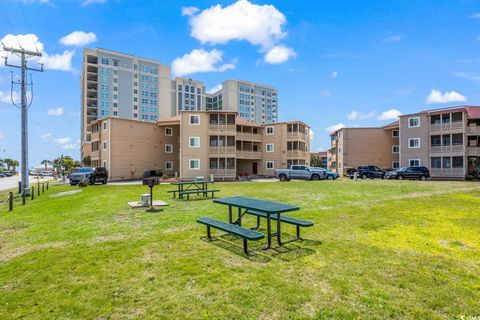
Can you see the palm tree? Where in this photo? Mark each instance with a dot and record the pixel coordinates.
(8, 162)
(15, 164)
(46, 163)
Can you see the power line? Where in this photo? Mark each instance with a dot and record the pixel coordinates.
(11, 28)
(28, 25)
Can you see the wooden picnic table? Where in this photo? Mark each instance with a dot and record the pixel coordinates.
(268, 207)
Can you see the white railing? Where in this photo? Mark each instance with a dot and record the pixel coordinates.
(296, 135)
(222, 150)
(457, 125)
(448, 149)
(249, 154)
(222, 128)
(296, 154)
(447, 172)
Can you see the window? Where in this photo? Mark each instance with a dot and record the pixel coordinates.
(395, 133)
(270, 130)
(395, 164)
(168, 131)
(135, 115)
(105, 61)
(270, 165)
(269, 147)
(194, 119)
(104, 126)
(168, 165)
(168, 148)
(194, 164)
(414, 122)
(395, 149)
(414, 143)
(436, 162)
(105, 145)
(457, 162)
(194, 142)
(414, 162)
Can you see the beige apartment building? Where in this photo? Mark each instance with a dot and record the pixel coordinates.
(352, 147)
(198, 143)
(446, 141)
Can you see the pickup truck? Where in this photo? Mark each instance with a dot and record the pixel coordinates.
(300, 172)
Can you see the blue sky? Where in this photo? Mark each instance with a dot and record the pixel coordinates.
(352, 63)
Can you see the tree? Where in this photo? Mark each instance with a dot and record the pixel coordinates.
(15, 164)
(315, 161)
(46, 163)
(8, 162)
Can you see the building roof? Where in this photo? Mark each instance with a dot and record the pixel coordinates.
(321, 154)
(472, 111)
(243, 122)
(172, 120)
(394, 124)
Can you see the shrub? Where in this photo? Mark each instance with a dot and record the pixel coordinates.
(83, 183)
(164, 177)
(469, 177)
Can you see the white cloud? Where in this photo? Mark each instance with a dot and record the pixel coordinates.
(55, 111)
(215, 88)
(71, 146)
(334, 75)
(87, 2)
(189, 11)
(46, 135)
(63, 141)
(200, 60)
(31, 42)
(258, 24)
(392, 38)
(78, 38)
(355, 115)
(312, 134)
(475, 16)
(279, 54)
(2, 136)
(466, 76)
(391, 114)
(335, 127)
(436, 96)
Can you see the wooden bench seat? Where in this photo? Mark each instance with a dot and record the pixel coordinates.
(244, 233)
(294, 221)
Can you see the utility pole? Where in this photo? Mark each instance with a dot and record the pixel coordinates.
(24, 55)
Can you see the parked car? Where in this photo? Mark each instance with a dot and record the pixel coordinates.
(417, 173)
(93, 175)
(331, 175)
(350, 172)
(300, 172)
(370, 172)
(2, 175)
(46, 174)
(7, 173)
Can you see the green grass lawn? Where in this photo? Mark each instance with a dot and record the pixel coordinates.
(379, 249)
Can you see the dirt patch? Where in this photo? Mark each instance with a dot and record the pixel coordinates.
(20, 251)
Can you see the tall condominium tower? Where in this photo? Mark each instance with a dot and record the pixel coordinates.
(124, 86)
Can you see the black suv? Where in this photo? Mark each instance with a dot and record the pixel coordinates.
(93, 175)
(417, 173)
(371, 172)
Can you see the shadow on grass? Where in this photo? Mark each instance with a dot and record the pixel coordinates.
(290, 250)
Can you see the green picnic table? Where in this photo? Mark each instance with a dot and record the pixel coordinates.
(194, 186)
(269, 208)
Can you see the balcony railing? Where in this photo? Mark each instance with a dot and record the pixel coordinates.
(296, 154)
(95, 154)
(222, 128)
(447, 172)
(224, 173)
(448, 149)
(452, 126)
(473, 130)
(296, 135)
(473, 151)
(222, 150)
(242, 154)
(248, 136)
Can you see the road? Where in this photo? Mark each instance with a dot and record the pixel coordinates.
(12, 182)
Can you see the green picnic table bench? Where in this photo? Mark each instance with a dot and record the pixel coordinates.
(244, 233)
(198, 187)
(196, 191)
(294, 221)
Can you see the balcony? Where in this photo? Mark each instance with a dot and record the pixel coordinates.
(242, 154)
(95, 155)
(473, 151)
(447, 172)
(222, 129)
(448, 149)
(447, 127)
(473, 130)
(224, 173)
(248, 136)
(296, 154)
(222, 150)
(296, 135)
